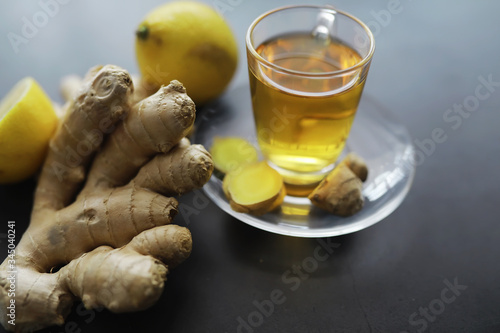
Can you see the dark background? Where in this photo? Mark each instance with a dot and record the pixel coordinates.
(430, 57)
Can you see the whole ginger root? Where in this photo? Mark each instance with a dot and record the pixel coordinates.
(100, 227)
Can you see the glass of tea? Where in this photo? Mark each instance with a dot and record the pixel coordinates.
(307, 68)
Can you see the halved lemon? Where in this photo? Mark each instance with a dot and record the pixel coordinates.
(27, 122)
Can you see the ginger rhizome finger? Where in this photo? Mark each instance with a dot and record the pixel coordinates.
(164, 176)
(155, 125)
(102, 101)
(340, 192)
(138, 266)
(100, 227)
(254, 188)
(357, 165)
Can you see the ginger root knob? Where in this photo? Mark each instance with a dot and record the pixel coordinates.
(340, 192)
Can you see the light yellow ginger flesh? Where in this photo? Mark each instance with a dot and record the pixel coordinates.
(255, 188)
(229, 153)
(340, 192)
(100, 227)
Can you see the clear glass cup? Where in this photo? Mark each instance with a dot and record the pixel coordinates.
(307, 68)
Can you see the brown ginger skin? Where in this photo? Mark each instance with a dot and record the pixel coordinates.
(100, 228)
(340, 192)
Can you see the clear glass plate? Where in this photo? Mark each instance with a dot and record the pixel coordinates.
(376, 135)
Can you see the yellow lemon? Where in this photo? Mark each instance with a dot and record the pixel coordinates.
(190, 42)
(27, 122)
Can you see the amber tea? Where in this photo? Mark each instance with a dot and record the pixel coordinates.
(302, 124)
(307, 68)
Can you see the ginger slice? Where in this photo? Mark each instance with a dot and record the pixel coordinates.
(255, 188)
(340, 192)
(231, 152)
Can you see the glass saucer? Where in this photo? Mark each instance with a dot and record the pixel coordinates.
(376, 135)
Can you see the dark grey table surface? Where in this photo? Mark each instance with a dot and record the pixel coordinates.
(431, 266)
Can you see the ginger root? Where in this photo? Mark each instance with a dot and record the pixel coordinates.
(255, 188)
(340, 192)
(229, 153)
(100, 227)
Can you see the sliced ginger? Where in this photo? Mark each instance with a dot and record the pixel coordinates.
(229, 153)
(251, 187)
(340, 193)
(255, 188)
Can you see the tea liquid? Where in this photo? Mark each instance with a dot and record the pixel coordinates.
(303, 121)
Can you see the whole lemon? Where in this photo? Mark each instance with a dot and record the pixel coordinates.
(190, 42)
(27, 122)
